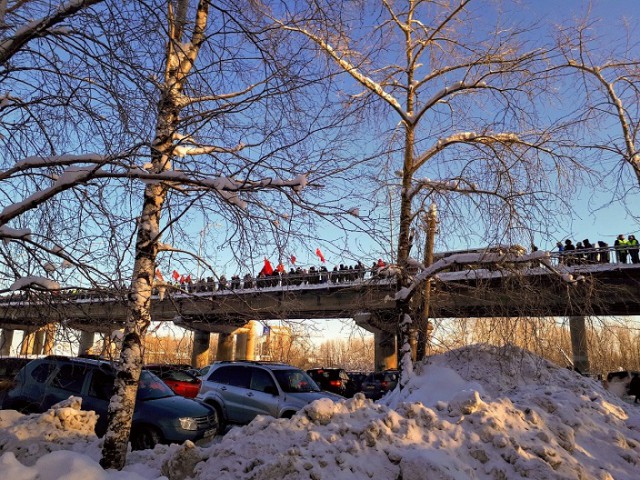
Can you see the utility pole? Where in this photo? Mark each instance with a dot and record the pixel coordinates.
(424, 326)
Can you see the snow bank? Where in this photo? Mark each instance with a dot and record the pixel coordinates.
(475, 413)
(63, 427)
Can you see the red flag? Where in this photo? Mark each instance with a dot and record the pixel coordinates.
(280, 267)
(175, 275)
(267, 269)
(319, 254)
(188, 279)
(159, 275)
(293, 259)
(183, 279)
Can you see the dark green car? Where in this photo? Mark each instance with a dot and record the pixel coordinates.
(160, 416)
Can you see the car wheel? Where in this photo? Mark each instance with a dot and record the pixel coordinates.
(25, 408)
(288, 414)
(144, 437)
(220, 423)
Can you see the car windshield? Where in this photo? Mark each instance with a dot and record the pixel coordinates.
(292, 381)
(152, 388)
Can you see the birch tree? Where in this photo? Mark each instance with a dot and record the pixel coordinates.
(456, 102)
(131, 119)
(605, 79)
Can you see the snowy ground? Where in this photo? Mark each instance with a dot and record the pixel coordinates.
(478, 412)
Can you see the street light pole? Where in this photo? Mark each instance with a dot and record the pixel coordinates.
(424, 327)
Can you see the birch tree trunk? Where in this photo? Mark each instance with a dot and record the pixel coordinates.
(180, 59)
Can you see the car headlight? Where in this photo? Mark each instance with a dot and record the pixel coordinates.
(188, 423)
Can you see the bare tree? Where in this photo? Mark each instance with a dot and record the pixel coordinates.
(606, 76)
(241, 126)
(459, 105)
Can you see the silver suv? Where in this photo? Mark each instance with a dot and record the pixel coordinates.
(240, 391)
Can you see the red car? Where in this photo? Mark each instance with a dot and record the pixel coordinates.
(177, 379)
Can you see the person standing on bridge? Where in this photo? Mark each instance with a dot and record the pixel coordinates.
(633, 249)
(569, 251)
(620, 246)
(603, 252)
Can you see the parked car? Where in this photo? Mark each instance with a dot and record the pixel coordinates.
(160, 416)
(357, 378)
(334, 380)
(378, 383)
(9, 368)
(240, 391)
(178, 378)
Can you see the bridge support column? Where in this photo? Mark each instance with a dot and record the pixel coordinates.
(49, 339)
(246, 341)
(28, 339)
(251, 340)
(579, 345)
(200, 349)
(241, 346)
(86, 342)
(6, 339)
(225, 346)
(385, 350)
(38, 342)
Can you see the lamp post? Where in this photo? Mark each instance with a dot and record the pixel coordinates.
(424, 327)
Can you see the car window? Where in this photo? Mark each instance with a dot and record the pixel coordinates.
(261, 380)
(42, 372)
(239, 376)
(220, 375)
(152, 388)
(70, 377)
(292, 381)
(101, 385)
(177, 375)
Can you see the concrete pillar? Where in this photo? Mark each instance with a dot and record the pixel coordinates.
(49, 339)
(6, 340)
(252, 338)
(86, 342)
(579, 345)
(225, 346)
(26, 347)
(38, 341)
(200, 349)
(241, 345)
(385, 350)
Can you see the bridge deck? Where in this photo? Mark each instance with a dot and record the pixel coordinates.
(608, 289)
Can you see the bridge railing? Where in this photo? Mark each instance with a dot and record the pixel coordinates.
(571, 258)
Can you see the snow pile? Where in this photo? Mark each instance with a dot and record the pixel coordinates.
(475, 413)
(63, 427)
(478, 412)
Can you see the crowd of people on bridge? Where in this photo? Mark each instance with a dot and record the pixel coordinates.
(279, 276)
(626, 250)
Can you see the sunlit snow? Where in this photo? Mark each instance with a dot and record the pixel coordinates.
(475, 413)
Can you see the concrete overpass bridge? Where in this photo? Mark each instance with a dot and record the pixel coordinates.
(607, 289)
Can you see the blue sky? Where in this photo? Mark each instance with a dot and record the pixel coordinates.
(596, 216)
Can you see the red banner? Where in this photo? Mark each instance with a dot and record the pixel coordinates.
(267, 269)
(319, 254)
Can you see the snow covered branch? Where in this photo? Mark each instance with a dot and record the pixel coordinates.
(486, 258)
(467, 137)
(41, 283)
(40, 27)
(351, 69)
(445, 92)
